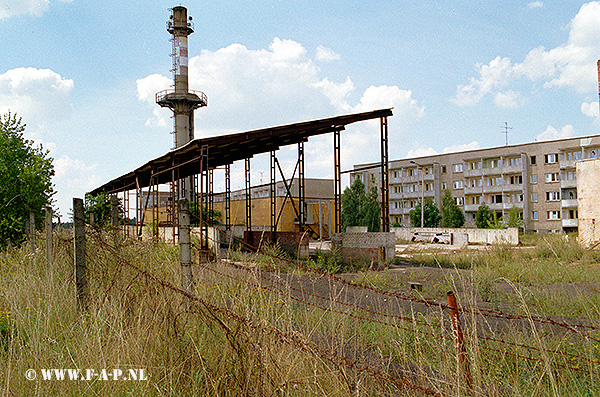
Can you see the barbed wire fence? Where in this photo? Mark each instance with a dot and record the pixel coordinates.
(434, 324)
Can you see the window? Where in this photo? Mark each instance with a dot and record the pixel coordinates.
(577, 155)
(533, 161)
(551, 158)
(496, 199)
(553, 215)
(444, 185)
(475, 165)
(516, 179)
(443, 169)
(457, 167)
(552, 177)
(513, 162)
(534, 197)
(552, 196)
(459, 200)
(533, 178)
(534, 215)
(458, 184)
(476, 200)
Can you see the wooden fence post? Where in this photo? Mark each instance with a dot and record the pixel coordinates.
(458, 337)
(114, 218)
(185, 248)
(79, 253)
(48, 227)
(31, 230)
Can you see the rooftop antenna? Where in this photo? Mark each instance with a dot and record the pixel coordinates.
(506, 131)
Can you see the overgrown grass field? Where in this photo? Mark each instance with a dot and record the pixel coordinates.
(248, 330)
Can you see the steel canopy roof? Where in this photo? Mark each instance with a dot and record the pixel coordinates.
(223, 150)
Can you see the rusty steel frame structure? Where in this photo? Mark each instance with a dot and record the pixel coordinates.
(193, 161)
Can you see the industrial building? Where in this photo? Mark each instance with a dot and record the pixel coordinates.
(539, 178)
(318, 206)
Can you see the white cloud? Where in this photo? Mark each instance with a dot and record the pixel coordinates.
(10, 8)
(75, 178)
(257, 88)
(250, 89)
(40, 96)
(590, 109)
(571, 65)
(552, 133)
(535, 4)
(325, 54)
(491, 76)
(508, 99)
(423, 152)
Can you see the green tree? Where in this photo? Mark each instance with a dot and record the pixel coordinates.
(360, 208)
(483, 216)
(431, 214)
(452, 216)
(514, 218)
(213, 217)
(99, 206)
(26, 173)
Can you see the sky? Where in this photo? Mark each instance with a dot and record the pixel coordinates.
(82, 74)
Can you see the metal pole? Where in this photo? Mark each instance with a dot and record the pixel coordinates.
(185, 248)
(385, 177)
(337, 182)
(48, 227)
(458, 336)
(248, 195)
(422, 197)
(79, 254)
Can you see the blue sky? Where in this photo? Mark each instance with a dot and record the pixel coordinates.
(83, 74)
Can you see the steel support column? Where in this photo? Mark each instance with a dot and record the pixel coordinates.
(248, 195)
(228, 197)
(337, 183)
(301, 190)
(204, 194)
(272, 195)
(385, 177)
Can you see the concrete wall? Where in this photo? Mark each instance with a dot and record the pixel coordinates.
(588, 199)
(293, 243)
(377, 247)
(474, 236)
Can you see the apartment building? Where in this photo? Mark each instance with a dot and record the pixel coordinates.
(539, 178)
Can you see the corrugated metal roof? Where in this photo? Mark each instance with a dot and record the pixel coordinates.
(227, 149)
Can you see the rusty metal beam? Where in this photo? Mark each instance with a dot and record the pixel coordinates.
(385, 177)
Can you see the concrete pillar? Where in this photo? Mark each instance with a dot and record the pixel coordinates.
(114, 218)
(185, 248)
(79, 254)
(48, 227)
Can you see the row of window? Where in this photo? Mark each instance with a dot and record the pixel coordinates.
(555, 215)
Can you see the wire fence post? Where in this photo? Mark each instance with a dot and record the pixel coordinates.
(79, 254)
(31, 230)
(48, 227)
(114, 218)
(185, 248)
(463, 361)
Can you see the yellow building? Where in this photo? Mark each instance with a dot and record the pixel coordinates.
(319, 207)
(319, 203)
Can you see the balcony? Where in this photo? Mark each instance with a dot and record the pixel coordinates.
(570, 203)
(567, 164)
(471, 173)
(517, 187)
(478, 190)
(570, 223)
(494, 189)
(471, 207)
(568, 184)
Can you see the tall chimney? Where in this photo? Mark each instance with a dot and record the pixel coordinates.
(180, 99)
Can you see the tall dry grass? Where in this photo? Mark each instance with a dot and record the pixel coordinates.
(242, 334)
